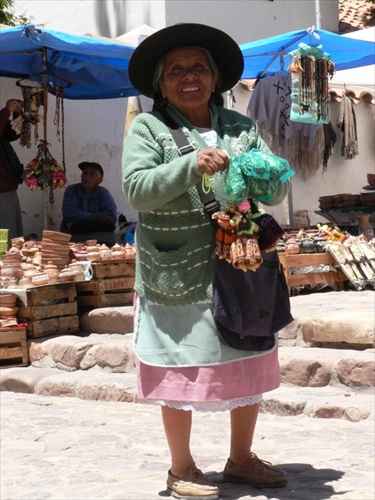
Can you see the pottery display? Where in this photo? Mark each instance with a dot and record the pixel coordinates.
(292, 247)
(54, 259)
(8, 312)
(67, 274)
(40, 279)
(307, 245)
(78, 270)
(8, 300)
(52, 271)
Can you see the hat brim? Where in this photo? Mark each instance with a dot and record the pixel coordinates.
(224, 50)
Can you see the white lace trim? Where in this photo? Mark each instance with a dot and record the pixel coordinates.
(209, 406)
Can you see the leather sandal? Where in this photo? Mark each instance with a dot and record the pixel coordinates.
(256, 472)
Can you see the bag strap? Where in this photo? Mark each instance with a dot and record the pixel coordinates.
(209, 202)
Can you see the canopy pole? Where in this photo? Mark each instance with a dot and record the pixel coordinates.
(45, 84)
(317, 14)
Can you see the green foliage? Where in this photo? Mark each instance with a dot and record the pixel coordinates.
(8, 17)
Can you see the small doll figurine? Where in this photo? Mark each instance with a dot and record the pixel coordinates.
(226, 233)
(245, 253)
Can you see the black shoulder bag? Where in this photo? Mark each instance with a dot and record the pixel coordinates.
(249, 306)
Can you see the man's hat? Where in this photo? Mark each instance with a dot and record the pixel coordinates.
(92, 164)
(224, 50)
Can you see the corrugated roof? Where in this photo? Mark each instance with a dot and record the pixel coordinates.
(351, 13)
(336, 93)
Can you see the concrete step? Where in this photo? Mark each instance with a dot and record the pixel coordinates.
(326, 357)
(316, 382)
(96, 384)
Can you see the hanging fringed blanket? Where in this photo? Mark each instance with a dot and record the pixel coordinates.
(310, 68)
(347, 123)
(44, 172)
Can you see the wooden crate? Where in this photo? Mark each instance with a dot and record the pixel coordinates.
(113, 269)
(111, 286)
(50, 310)
(292, 261)
(53, 326)
(13, 347)
(110, 292)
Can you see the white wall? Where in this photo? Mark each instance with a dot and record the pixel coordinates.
(248, 20)
(94, 129)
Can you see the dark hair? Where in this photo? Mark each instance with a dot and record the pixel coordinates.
(160, 102)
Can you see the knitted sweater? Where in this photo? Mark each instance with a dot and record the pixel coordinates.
(174, 238)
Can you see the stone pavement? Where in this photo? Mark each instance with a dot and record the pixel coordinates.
(94, 441)
(66, 448)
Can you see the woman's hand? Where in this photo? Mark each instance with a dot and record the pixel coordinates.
(212, 160)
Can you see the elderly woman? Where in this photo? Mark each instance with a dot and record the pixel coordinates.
(182, 364)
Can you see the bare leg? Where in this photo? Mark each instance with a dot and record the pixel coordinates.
(243, 420)
(177, 426)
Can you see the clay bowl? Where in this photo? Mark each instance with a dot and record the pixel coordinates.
(91, 243)
(8, 300)
(81, 256)
(8, 312)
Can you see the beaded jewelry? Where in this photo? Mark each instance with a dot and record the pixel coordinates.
(310, 68)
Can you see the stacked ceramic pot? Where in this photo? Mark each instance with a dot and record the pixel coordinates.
(11, 268)
(55, 249)
(8, 309)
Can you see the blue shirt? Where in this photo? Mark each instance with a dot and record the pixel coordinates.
(78, 205)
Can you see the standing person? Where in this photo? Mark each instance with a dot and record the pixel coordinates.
(10, 171)
(89, 210)
(182, 364)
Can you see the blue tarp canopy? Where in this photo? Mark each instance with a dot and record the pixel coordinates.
(270, 54)
(93, 68)
(88, 68)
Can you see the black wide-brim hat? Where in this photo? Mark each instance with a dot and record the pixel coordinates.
(224, 50)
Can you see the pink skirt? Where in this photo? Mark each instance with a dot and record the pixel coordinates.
(237, 379)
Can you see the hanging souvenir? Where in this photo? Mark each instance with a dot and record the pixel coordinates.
(44, 171)
(310, 68)
(33, 99)
(243, 230)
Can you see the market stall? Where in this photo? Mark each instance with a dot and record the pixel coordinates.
(88, 68)
(44, 62)
(306, 143)
(46, 284)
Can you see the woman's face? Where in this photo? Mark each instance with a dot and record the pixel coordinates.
(187, 81)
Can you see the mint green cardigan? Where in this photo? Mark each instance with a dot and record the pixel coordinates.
(175, 243)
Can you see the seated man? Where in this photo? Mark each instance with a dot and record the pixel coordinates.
(89, 210)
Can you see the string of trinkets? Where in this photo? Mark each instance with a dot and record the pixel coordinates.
(33, 98)
(311, 69)
(243, 231)
(44, 171)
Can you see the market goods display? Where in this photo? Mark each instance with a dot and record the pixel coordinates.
(341, 257)
(55, 259)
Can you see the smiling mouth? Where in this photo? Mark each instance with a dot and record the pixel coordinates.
(190, 89)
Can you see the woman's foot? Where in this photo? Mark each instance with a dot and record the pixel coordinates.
(256, 472)
(192, 485)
